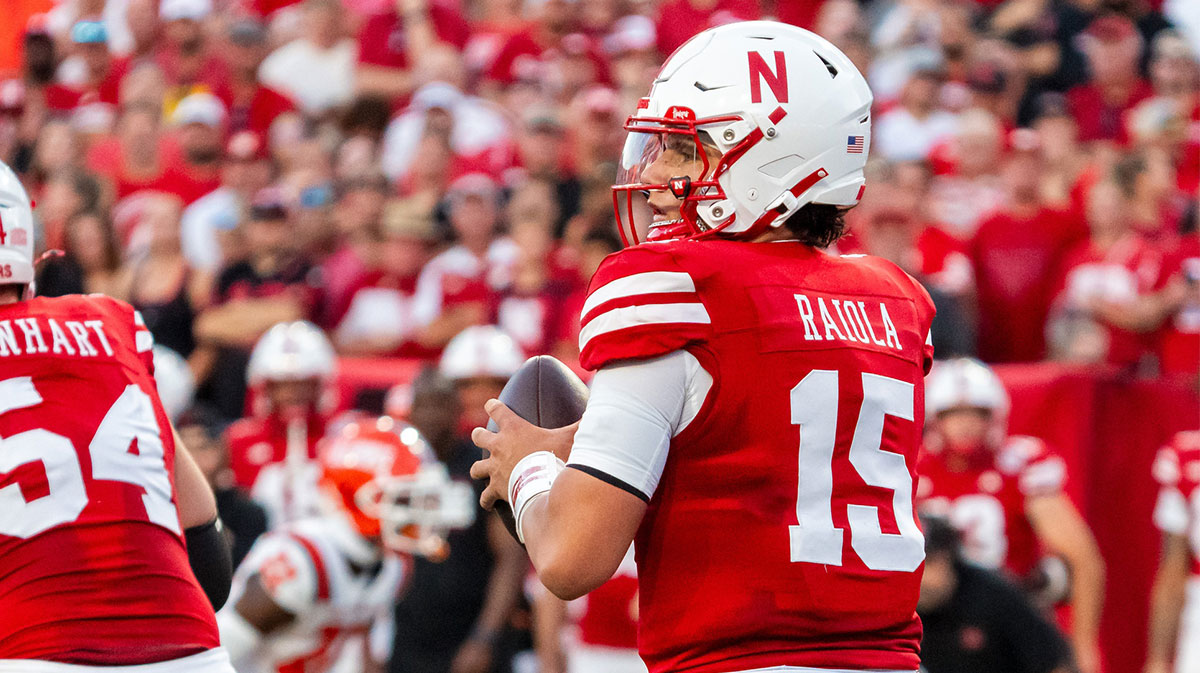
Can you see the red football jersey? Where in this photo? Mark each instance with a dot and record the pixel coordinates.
(782, 531)
(93, 567)
(1177, 470)
(985, 499)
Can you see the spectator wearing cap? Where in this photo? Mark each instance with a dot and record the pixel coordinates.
(679, 20)
(595, 136)
(911, 129)
(209, 223)
(200, 123)
(98, 73)
(378, 318)
(544, 152)
(316, 69)
(391, 43)
(477, 132)
(1016, 252)
(975, 620)
(271, 284)
(186, 57)
(1113, 49)
(252, 106)
(457, 286)
(632, 49)
(160, 283)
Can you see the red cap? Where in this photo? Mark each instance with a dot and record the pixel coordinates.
(1111, 28)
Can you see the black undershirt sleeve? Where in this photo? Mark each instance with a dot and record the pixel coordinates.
(208, 554)
(611, 480)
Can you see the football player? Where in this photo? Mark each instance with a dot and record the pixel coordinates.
(311, 587)
(1005, 494)
(1175, 602)
(755, 417)
(110, 550)
(272, 452)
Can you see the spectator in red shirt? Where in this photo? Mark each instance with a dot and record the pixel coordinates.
(1175, 75)
(1147, 180)
(379, 316)
(200, 123)
(521, 56)
(456, 287)
(140, 157)
(968, 186)
(1113, 269)
(186, 56)
(252, 106)
(679, 20)
(391, 43)
(100, 72)
(1015, 253)
(530, 308)
(633, 52)
(1114, 49)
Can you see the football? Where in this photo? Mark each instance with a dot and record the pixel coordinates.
(545, 392)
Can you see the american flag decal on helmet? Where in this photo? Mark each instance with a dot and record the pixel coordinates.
(854, 145)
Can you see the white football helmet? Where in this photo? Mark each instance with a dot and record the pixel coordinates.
(291, 351)
(967, 383)
(16, 230)
(481, 351)
(176, 384)
(788, 112)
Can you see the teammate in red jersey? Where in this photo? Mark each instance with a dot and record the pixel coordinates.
(755, 417)
(1175, 603)
(97, 496)
(308, 589)
(273, 451)
(1005, 494)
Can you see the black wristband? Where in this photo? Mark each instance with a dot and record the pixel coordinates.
(208, 554)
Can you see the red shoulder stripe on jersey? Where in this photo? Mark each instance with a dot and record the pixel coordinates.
(318, 566)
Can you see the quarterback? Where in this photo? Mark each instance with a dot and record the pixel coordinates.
(109, 550)
(754, 420)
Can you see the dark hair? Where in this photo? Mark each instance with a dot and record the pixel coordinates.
(817, 224)
(941, 537)
(1125, 173)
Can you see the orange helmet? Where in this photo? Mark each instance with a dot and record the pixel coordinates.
(382, 476)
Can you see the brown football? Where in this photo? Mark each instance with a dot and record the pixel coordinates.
(545, 392)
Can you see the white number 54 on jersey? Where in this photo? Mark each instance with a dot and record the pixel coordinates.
(130, 417)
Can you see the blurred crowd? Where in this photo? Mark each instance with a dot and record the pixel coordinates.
(398, 171)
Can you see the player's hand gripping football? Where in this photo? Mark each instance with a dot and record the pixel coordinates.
(515, 439)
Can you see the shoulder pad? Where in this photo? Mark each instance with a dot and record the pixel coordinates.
(291, 570)
(1039, 470)
(641, 303)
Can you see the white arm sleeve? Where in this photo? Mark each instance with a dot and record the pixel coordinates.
(634, 410)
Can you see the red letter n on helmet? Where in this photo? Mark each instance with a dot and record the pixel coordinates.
(776, 79)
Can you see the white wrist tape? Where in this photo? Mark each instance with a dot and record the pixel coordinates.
(532, 476)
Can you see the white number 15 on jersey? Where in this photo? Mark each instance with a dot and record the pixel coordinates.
(814, 404)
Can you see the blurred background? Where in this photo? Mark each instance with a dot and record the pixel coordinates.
(400, 173)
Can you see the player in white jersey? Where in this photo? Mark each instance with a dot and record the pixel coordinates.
(311, 589)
